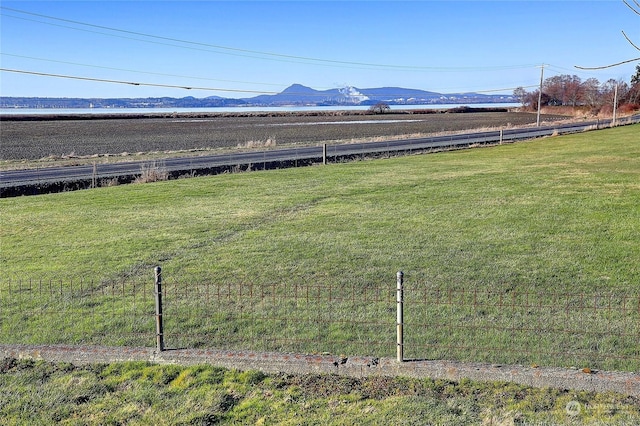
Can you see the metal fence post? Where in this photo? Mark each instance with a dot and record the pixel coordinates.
(158, 294)
(400, 318)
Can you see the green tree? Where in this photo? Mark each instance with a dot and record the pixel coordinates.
(634, 91)
(635, 79)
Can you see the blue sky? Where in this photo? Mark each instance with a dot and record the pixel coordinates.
(253, 47)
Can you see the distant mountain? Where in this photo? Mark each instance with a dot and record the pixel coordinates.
(294, 95)
(297, 94)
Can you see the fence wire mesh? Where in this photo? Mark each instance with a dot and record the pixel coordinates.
(498, 324)
(598, 329)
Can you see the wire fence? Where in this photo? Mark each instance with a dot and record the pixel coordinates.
(584, 329)
(499, 324)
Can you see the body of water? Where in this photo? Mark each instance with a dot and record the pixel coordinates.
(47, 111)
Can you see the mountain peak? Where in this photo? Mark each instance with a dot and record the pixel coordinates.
(296, 94)
(298, 88)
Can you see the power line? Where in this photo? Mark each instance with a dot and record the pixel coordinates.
(134, 83)
(135, 71)
(608, 66)
(267, 55)
(231, 51)
(131, 83)
(204, 78)
(433, 69)
(149, 41)
(505, 89)
(637, 12)
(254, 52)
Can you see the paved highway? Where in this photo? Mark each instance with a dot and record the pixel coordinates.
(289, 156)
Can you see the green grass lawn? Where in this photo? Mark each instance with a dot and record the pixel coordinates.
(555, 216)
(138, 393)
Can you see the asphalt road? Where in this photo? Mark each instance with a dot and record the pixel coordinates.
(289, 156)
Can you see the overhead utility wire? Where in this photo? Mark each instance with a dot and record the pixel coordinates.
(132, 83)
(502, 90)
(608, 66)
(138, 72)
(201, 49)
(618, 63)
(157, 42)
(215, 79)
(270, 54)
(635, 10)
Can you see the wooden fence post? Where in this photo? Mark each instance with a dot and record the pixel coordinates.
(400, 317)
(158, 294)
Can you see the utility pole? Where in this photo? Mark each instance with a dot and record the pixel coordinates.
(615, 104)
(540, 94)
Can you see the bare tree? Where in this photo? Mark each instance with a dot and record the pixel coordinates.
(521, 94)
(532, 99)
(573, 90)
(591, 92)
(379, 108)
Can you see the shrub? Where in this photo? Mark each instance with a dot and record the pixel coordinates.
(152, 172)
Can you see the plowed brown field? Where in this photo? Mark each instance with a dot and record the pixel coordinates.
(54, 138)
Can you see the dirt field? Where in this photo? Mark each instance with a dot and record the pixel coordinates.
(55, 138)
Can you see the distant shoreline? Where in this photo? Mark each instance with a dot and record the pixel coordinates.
(42, 114)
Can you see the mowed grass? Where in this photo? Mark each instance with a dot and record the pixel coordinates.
(555, 215)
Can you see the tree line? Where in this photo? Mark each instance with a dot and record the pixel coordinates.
(572, 91)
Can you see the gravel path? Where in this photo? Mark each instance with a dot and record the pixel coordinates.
(562, 378)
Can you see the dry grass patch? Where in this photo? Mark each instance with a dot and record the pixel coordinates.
(152, 172)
